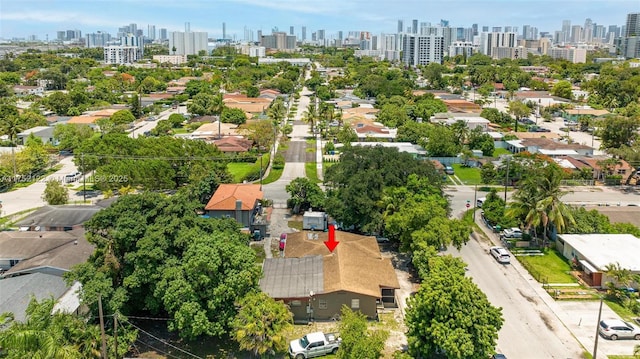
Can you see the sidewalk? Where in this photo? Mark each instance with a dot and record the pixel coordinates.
(534, 285)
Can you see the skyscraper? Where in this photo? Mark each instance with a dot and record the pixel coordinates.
(304, 33)
(587, 34)
(290, 30)
(400, 26)
(631, 40)
(163, 34)
(187, 43)
(224, 30)
(414, 26)
(474, 27)
(422, 49)
(566, 30)
(151, 32)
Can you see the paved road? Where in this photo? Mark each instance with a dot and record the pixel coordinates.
(31, 197)
(531, 329)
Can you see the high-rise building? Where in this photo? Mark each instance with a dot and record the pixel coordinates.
(151, 32)
(485, 29)
(279, 40)
(98, 39)
(187, 43)
(587, 34)
(290, 30)
(496, 29)
(163, 34)
(224, 31)
(400, 26)
(489, 41)
(422, 49)
(576, 34)
(304, 33)
(631, 39)
(340, 37)
(474, 27)
(414, 26)
(566, 31)
(320, 35)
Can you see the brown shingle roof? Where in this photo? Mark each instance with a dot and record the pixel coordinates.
(549, 144)
(233, 144)
(225, 197)
(356, 264)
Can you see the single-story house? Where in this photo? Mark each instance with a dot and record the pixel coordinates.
(594, 252)
(16, 293)
(461, 106)
(241, 202)
(374, 131)
(53, 252)
(415, 150)
(595, 164)
(60, 218)
(85, 120)
(315, 283)
(574, 114)
(232, 144)
(22, 90)
(471, 121)
(44, 133)
(548, 147)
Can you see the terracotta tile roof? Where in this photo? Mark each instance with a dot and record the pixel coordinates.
(360, 110)
(84, 119)
(576, 163)
(248, 107)
(237, 97)
(225, 197)
(225, 129)
(592, 112)
(356, 264)
(367, 128)
(105, 113)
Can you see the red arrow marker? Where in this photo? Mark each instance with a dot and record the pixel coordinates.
(331, 243)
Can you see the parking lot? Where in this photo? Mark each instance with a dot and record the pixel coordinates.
(581, 318)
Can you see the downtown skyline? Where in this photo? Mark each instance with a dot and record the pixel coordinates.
(42, 18)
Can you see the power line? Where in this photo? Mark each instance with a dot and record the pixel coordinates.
(162, 341)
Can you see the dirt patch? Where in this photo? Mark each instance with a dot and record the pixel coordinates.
(527, 297)
(546, 321)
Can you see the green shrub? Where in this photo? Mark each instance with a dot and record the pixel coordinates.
(278, 162)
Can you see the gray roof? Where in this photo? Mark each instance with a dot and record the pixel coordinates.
(60, 216)
(16, 292)
(292, 277)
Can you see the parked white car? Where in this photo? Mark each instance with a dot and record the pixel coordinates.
(512, 233)
(500, 254)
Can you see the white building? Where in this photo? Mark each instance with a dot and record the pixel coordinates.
(121, 54)
(187, 43)
(172, 59)
(422, 49)
(461, 48)
(491, 40)
(573, 54)
(594, 252)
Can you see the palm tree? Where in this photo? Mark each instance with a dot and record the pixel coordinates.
(11, 125)
(519, 110)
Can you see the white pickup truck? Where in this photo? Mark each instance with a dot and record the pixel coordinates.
(314, 345)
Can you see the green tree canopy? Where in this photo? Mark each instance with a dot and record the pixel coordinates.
(450, 315)
(304, 195)
(56, 193)
(261, 324)
(358, 342)
(233, 115)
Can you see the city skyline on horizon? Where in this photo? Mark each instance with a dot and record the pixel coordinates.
(241, 15)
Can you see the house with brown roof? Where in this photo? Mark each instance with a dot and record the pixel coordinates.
(461, 106)
(250, 105)
(575, 113)
(232, 144)
(374, 131)
(241, 202)
(315, 283)
(85, 120)
(52, 252)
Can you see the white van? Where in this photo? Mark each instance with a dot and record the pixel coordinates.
(500, 254)
(480, 201)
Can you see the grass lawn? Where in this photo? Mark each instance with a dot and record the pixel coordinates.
(311, 170)
(295, 224)
(240, 170)
(623, 312)
(500, 151)
(180, 130)
(467, 175)
(273, 176)
(550, 267)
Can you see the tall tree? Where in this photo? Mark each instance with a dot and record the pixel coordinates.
(205, 104)
(450, 315)
(519, 110)
(55, 193)
(358, 342)
(618, 131)
(304, 194)
(261, 324)
(11, 125)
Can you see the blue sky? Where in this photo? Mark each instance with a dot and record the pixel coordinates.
(21, 18)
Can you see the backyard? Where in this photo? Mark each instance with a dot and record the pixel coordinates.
(548, 268)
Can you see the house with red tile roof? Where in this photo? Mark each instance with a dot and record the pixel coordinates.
(241, 202)
(233, 144)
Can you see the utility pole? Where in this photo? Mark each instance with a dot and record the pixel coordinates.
(475, 201)
(506, 182)
(595, 345)
(84, 179)
(115, 333)
(261, 172)
(104, 336)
